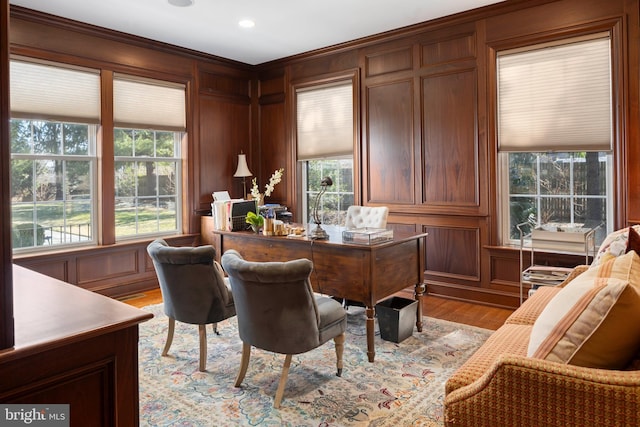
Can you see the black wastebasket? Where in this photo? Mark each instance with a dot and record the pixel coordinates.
(396, 317)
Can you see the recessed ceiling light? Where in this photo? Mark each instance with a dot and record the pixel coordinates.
(247, 23)
(181, 3)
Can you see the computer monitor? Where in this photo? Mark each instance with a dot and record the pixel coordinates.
(239, 212)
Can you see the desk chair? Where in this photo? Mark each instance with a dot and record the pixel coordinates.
(193, 289)
(278, 312)
(366, 217)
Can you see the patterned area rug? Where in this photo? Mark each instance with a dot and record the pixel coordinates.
(404, 386)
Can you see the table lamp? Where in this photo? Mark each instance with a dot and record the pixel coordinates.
(318, 232)
(243, 171)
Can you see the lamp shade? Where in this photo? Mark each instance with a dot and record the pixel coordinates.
(243, 168)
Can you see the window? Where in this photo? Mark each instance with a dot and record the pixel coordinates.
(325, 130)
(150, 122)
(332, 208)
(52, 169)
(147, 168)
(564, 188)
(53, 159)
(555, 136)
(55, 128)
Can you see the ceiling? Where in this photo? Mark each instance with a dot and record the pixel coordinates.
(282, 27)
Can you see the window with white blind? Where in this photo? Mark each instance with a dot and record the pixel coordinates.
(555, 135)
(55, 112)
(55, 126)
(149, 124)
(325, 138)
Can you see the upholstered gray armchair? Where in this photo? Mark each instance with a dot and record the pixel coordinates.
(278, 311)
(193, 289)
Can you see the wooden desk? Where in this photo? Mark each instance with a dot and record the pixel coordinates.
(366, 274)
(75, 347)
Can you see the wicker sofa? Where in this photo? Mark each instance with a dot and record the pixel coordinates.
(500, 386)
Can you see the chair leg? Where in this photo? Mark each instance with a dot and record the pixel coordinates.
(202, 333)
(339, 342)
(283, 380)
(172, 327)
(244, 363)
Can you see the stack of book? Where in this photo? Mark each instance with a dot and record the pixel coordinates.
(543, 275)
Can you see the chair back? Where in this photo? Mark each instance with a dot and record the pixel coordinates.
(275, 304)
(193, 291)
(366, 217)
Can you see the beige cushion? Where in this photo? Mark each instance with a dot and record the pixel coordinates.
(615, 244)
(588, 322)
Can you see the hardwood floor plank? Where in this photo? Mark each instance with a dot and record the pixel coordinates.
(478, 315)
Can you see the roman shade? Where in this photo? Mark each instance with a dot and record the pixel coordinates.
(325, 121)
(49, 91)
(556, 97)
(148, 104)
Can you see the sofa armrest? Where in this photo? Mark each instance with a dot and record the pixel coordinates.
(524, 391)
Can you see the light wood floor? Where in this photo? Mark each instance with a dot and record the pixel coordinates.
(456, 311)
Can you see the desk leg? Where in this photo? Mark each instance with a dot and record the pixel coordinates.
(371, 352)
(420, 288)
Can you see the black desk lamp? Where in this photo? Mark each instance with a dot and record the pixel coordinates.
(318, 232)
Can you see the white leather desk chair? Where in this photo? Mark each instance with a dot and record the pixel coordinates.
(366, 217)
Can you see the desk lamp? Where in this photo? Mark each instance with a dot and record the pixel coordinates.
(318, 232)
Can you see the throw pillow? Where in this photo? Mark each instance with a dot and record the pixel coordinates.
(615, 244)
(587, 322)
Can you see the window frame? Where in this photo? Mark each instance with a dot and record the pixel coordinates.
(301, 182)
(177, 160)
(103, 173)
(309, 194)
(613, 156)
(91, 158)
(504, 197)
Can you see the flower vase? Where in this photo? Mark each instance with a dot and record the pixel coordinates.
(255, 228)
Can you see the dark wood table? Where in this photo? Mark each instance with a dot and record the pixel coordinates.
(362, 273)
(74, 347)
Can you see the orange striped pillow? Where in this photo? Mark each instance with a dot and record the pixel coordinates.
(587, 322)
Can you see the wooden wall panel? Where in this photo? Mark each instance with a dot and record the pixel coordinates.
(450, 142)
(115, 270)
(274, 153)
(224, 85)
(445, 51)
(323, 64)
(33, 31)
(453, 252)
(390, 144)
(403, 228)
(271, 86)
(379, 63)
(97, 267)
(224, 132)
(56, 268)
